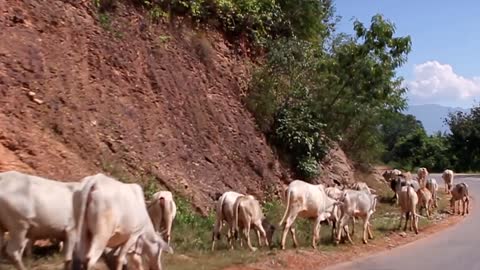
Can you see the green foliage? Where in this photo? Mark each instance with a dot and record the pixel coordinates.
(191, 230)
(298, 130)
(260, 20)
(464, 139)
(308, 93)
(409, 146)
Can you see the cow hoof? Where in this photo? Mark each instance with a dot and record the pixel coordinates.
(365, 241)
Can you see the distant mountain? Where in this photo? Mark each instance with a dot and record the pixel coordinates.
(432, 116)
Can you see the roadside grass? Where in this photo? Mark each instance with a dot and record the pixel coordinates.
(191, 236)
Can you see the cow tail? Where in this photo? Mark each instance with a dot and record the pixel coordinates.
(81, 214)
(408, 201)
(287, 209)
(235, 217)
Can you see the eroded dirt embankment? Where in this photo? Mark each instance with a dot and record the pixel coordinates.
(79, 95)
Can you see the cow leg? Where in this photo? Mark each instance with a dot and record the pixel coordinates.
(366, 229)
(60, 246)
(316, 232)
(68, 250)
(394, 198)
(343, 225)
(415, 222)
(247, 234)
(97, 246)
(216, 232)
(294, 236)
(168, 225)
(407, 218)
(370, 234)
(286, 228)
(28, 249)
(412, 219)
(15, 247)
(230, 237)
(353, 226)
(136, 261)
(261, 233)
(2, 242)
(121, 259)
(334, 225)
(258, 233)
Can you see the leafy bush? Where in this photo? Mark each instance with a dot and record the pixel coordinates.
(191, 230)
(300, 132)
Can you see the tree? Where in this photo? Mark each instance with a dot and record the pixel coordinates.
(464, 139)
(307, 93)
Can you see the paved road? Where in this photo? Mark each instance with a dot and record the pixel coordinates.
(456, 248)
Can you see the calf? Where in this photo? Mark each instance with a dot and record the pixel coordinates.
(447, 177)
(162, 211)
(224, 209)
(460, 193)
(425, 200)
(408, 204)
(36, 208)
(307, 201)
(112, 214)
(356, 204)
(248, 213)
(432, 186)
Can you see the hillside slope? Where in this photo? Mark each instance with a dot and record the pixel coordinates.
(82, 93)
(163, 101)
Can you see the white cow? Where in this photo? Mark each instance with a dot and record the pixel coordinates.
(248, 213)
(408, 204)
(360, 204)
(225, 212)
(162, 211)
(460, 193)
(447, 177)
(307, 201)
(112, 214)
(362, 186)
(422, 175)
(432, 185)
(36, 208)
(425, 200)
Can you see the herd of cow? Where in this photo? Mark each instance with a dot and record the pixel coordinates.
(99, 214)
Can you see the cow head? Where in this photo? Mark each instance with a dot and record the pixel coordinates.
(155, 249)
(269, 230)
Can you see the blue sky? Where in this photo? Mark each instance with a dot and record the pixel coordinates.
(444, 65)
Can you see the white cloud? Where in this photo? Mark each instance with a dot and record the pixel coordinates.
(438, 83)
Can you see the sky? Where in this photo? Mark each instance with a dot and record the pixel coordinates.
(444, 64)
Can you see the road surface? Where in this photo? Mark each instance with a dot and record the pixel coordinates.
(454, 248)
